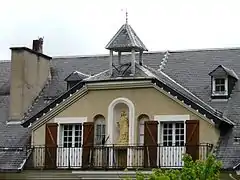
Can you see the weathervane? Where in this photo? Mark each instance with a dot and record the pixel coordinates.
(126, 15)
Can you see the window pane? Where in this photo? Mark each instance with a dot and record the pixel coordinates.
(179, 134)
(99, 131)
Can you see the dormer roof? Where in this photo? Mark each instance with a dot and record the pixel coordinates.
(125, 40)
(76, 76)
(222, 71)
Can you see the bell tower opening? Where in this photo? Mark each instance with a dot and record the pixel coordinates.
(125, 41)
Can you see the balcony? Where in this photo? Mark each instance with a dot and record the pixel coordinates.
(113, 156)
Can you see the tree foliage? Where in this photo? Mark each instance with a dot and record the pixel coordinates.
(208, 169)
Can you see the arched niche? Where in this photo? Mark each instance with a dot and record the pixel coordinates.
(114, 111)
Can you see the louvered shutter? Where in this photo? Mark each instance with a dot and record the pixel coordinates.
(192, 144)
(150, 143)
(88, 141)
(51, 145)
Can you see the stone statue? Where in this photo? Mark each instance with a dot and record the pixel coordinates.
(123, 129)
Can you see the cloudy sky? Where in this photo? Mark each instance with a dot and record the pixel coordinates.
(78, 27)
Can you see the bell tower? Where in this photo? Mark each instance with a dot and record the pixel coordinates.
(125, 40)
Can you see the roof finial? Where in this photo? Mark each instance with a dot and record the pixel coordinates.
(126, 16)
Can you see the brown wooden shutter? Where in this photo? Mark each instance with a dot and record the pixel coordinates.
(88, 140)
(51, 145)
(192, 144)
(150, 143)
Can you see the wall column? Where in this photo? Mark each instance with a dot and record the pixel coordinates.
(119, 58)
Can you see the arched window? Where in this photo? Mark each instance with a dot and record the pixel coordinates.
(141, 119)
(99, 129)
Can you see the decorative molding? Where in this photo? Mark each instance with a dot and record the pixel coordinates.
(119, 85)
(171, 118)
(71, 120)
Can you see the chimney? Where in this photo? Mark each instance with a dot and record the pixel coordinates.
(30, 70)
(38, 45)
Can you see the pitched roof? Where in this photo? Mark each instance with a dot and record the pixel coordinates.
(125, 40)
(222, 69)
(162, 80)
(190, 69)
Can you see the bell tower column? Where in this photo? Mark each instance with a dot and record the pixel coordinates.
(133, 62)
(111, 62)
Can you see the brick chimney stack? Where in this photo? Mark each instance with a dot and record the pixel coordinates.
(38, 45)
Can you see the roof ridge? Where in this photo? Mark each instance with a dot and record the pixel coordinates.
(148, 52)
(164, 61)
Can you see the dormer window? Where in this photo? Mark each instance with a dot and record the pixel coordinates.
(74, 78)
(223, 82)
(220, 86)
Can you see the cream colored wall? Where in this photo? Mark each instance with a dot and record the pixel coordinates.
(146, 101)
(29, 74)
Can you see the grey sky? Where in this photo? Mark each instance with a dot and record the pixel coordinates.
(77, 27)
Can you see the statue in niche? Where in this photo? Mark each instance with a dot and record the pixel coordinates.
(123, 126)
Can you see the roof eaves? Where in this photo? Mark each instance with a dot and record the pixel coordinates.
(205, 104)
(212, 109)
(78, 86)
(230, 72)
(188, 101)
(53, 104)
(31, 51)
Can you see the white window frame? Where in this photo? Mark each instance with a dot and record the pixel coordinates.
(173, 132)
(214, 93)
(67, 120)
(170, 118)
(73, 134)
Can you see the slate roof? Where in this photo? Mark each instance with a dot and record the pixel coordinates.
(13, 135)
(190, 69)
(126, 39)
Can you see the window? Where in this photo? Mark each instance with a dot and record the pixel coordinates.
(99, 130)
(236, 140)
(141, 132)
(173, 134)
(100, 134)
(72, 135)
(142, 118)
(220, 86)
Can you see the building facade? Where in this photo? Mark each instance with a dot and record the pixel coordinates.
(128, 109)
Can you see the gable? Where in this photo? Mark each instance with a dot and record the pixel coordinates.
(146, 101)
